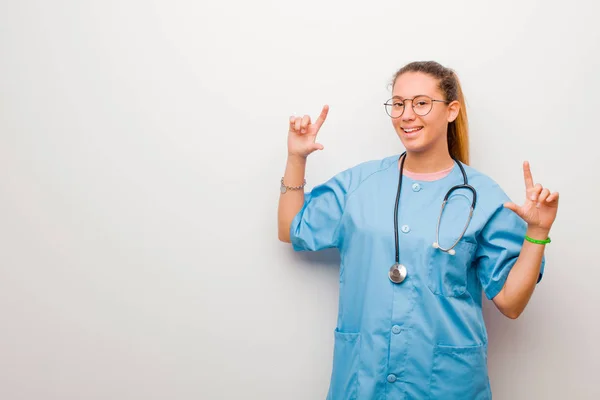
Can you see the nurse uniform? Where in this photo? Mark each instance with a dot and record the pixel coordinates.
(423, 338)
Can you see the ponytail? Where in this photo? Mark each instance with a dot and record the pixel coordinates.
(458, 130)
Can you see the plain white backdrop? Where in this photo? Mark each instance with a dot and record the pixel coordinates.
(141, 147)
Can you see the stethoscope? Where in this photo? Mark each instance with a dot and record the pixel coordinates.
(398, 271)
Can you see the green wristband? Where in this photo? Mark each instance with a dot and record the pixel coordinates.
(537, 241)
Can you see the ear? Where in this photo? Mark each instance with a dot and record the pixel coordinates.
(453, 110)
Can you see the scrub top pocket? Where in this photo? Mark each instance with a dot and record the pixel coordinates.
(344, 376)
(459, 373)
(447, 275)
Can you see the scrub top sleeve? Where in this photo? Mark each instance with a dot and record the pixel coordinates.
(500, 243)
(316, 226)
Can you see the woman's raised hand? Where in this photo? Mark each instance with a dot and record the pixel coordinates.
(540, 206)
(303, 134)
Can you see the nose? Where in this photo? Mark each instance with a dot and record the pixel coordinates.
(408, 114)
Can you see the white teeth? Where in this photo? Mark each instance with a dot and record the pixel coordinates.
(411, 130)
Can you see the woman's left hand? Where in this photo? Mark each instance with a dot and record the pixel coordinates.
(539, 210)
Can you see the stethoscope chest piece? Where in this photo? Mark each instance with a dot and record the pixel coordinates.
(397, 273)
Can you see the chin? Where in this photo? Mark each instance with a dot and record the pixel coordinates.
(416, 149)
(420, 143)
(414, 145)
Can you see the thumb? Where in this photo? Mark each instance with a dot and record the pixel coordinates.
(316, 146)
(513, 207)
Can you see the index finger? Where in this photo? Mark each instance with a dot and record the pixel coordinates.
(322, 117)
(527, 175)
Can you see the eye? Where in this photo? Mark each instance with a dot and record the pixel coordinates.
(398, 104)
(421, 103)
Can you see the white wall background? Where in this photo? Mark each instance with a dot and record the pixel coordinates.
(141, 147)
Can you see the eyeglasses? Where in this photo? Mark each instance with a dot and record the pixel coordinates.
(421, 105)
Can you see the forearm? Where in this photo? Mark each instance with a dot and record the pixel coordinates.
(291, 202)
(522, 279)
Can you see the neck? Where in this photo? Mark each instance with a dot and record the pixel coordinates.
(423, 163)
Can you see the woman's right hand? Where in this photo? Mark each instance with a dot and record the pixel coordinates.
(302, 134)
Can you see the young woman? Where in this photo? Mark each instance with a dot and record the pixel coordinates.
(421, 235)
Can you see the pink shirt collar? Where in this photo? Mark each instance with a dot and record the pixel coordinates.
(427, 176)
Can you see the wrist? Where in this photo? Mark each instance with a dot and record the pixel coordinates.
(296, 159)
(537, 233)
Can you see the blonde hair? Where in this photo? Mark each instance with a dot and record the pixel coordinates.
(449, 84)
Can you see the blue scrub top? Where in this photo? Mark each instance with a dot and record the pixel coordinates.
(424, 338)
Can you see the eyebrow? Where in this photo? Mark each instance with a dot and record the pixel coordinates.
(400, 97)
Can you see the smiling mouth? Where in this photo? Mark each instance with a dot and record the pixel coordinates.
(411, 130)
